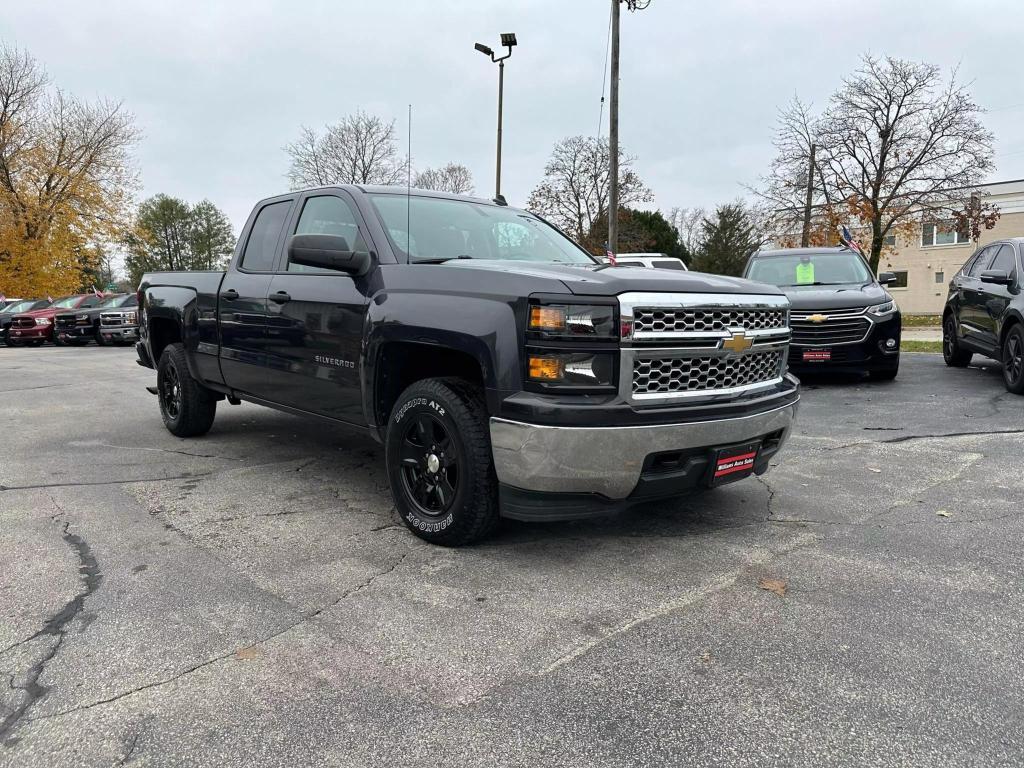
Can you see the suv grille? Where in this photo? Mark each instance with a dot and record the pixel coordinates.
(838, 327)
(663, 376)
(650, 321)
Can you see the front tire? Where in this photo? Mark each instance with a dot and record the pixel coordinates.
(1013, 360)
(439, 465)
(100, 341)
(954, 355)
(186, 406)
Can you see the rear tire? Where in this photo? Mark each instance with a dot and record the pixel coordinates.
(1012, 357)
(439, 465)
(954, 355)
(186, 406)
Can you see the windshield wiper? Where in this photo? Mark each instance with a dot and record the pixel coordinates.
(798, 285)
(442, 259)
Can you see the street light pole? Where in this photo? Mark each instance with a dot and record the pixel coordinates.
(613, 138)
(508, 39)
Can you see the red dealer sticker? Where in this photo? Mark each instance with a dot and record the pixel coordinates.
(733, 463)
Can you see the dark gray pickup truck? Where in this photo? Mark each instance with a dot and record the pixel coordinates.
(506, 371)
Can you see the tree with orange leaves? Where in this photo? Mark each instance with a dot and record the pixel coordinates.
(65, 179)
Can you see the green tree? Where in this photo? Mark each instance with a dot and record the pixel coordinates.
(639, 232)
(211, 238)
(727, 241)
(169, 234)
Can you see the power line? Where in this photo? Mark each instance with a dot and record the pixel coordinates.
(604, 74)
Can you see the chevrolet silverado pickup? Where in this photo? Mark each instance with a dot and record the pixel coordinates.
(505, 370)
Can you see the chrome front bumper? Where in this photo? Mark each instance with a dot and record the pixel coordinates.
(608, 460)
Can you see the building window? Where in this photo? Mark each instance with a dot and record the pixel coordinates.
(940, 277)
(901, 279)
(889, 240)
(941, 233)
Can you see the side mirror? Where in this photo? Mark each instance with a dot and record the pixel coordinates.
(327, 252)
(886, 278)
(996, 276)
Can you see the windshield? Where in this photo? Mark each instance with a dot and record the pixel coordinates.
(68, 302)
(16, 307)
(821, 268)
(444, 229)
(114, 301)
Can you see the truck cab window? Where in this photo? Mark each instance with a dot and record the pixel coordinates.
(328, 215)
(261, 247)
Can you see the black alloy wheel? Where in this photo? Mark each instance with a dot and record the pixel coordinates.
(1013, 360)
(954, 355)
(186, 406)
(170, 392)
(430, 465)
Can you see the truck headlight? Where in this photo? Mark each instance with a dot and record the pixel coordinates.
(575, 321)
(571, 369)
(42, 321)
(130, 317)
(81, 317)
(882, 310)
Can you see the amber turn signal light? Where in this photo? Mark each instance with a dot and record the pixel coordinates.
(546, 368)
(547, 319)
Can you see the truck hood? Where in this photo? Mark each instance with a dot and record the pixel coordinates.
(605, 280)
(836, 296)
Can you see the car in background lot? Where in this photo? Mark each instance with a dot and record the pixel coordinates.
(649, 260)
(82, 325)
(843, 319)
(36, 327)
(17, 307)
(120, 324)
(6, 302)
(984, 311)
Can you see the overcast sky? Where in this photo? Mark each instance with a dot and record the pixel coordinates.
(219, 88)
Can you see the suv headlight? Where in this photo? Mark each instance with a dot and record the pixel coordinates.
(42, 321)
(882, 310)
(572, 321)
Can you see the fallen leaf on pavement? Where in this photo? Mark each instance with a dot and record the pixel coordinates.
(247, 654)
(778, 586)
(942, 513)
(874, 469)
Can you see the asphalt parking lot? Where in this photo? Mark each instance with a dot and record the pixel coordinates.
(248, 598)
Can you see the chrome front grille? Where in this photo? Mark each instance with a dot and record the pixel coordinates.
(660, 321)
(23, 322)
(678, 345)
(670, 375)
(64, 321)
(112, 318)
(829, 327)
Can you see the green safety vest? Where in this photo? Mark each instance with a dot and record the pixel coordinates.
(804, 273)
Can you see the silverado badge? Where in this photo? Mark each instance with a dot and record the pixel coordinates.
(737, 343)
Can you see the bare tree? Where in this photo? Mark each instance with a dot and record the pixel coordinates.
(574, 192)
(453, 178)
(688, 222)
(896, 141)
(360, 149)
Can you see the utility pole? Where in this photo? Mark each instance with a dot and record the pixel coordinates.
(613, 138)
(613, 125)
(805, 238)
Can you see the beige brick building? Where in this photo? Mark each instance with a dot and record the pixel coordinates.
(926, 261)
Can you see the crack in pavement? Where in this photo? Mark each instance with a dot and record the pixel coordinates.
(83, 484)
(196, 667)
(167, 450)
(131, 746)
(909, 438)
(29, 389)
(56, 627)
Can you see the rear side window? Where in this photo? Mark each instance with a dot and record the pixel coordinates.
(261, 247)
(1005, 260)
(328, 215)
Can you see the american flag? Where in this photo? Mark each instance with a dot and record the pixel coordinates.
(847, 239)
(609, 255)
(97, 294)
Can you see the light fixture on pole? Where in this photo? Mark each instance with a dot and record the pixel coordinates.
(508, 40)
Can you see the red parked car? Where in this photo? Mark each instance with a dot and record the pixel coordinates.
(36, 328)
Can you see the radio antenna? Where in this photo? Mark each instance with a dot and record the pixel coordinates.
(408, 189)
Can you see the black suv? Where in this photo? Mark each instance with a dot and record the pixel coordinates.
(984, 311)
(842, 318)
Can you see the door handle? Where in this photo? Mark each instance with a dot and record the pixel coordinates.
(230, 294)
(281, 297)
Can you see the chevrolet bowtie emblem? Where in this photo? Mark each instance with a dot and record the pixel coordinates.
(817, 318)
(737, 343)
